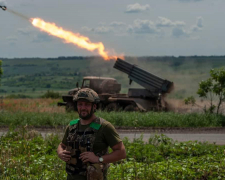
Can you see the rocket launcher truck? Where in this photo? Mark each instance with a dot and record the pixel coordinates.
(150, 98)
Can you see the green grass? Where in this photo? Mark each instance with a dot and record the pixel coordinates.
(121, 119)
(26, 155)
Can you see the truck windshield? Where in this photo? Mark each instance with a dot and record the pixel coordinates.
(86, 83)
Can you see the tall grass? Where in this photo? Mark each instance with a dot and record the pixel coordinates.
(31, 105)
(45, 112)
(121, 119)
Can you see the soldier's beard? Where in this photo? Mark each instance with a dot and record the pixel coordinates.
(88, 116)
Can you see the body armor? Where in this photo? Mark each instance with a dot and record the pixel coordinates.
(82, 141)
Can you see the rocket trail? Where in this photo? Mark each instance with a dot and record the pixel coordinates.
(73, 38)
(18, 14)
(69, 37)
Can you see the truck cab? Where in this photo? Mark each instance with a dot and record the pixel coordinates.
(104, 86)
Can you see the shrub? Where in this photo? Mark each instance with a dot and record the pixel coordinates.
(51, 94)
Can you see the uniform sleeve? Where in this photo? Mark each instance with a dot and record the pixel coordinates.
(64, 140)
(111, 136)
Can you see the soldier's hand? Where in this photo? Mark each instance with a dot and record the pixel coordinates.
(89, 157)
(65, 155)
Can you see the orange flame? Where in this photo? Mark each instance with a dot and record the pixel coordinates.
(70, 37)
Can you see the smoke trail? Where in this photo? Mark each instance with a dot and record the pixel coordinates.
(18, 14)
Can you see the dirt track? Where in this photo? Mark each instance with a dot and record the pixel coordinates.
(212, 135)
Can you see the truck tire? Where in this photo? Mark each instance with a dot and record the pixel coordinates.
(112, 107)
(130, 108)
(70, 107)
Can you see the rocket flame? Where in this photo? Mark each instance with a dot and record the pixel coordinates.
(70, 37)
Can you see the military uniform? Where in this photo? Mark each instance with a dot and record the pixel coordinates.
(104, 135)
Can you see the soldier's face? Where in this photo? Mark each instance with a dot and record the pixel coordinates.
(85, 109)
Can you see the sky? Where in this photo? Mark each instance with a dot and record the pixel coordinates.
(129, 27)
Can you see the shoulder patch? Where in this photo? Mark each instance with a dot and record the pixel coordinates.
(74, 122)
(95, 125)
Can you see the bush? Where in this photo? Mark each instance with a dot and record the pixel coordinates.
(51, 94)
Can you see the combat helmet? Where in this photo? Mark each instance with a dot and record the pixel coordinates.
(88, 95)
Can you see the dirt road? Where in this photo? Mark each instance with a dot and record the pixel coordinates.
(212, 135)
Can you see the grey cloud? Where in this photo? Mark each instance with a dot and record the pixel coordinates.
(116, 24)
(179, 32)
(135, 8)
(42, 38)
(87, 29)
(165, 22)
(24, 31)
(200, 22)
(38, 36)
(98, 30)
(198, 26)
(12, 40)
(143, 26)
(102, 30)
(159, 27)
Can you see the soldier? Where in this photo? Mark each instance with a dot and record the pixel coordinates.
(84, 147)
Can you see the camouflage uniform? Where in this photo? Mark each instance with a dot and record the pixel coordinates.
(79, 141)
(82, 141)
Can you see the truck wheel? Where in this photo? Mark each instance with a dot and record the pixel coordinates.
(130, 108)
(111, 107)
(69, 107)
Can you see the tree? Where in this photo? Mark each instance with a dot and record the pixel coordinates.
(213, 86)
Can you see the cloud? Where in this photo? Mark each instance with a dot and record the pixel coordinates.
(97, 30)
(136, 8)
(41, 37)
(102, 30)
(24, 31)
(117, 24)
(12, 40)
(164, 22)
(199, 22)
(198, 26)
(179, 32)
(143, 26)
(147, 26)
(161, 26)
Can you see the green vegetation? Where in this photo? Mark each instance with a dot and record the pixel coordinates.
(52, 95)
(213, 86)
(122, 119)
(26, 155)
(213, 89)
(34, 76)
(17, 96)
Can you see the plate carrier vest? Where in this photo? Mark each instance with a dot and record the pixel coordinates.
(82, 141)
